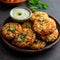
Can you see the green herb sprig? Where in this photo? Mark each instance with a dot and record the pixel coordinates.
(29, 26)
(21, 37)
(35, 4)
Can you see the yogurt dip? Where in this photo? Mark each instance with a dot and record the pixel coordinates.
(20, 13)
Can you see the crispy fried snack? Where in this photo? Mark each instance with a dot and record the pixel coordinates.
(10, 30)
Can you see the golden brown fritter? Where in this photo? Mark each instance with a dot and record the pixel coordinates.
(44, 26)
(38, 15)
(51, 37)
(38, 45)
(25, 39)
(27, 25)
(10, 30)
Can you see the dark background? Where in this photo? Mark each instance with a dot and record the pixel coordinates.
(51, 54)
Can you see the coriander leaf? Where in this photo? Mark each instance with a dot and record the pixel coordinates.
(33, 2)
(41, 20)
(20, 38)
(36, 1)
(12, 29)
(29, 26)
(45, 6)
(34, 9)
(41, 2)
(40, 6)
(38, 15)
(30, 4)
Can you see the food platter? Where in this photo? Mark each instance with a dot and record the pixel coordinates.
(49, 45)
(30, 30)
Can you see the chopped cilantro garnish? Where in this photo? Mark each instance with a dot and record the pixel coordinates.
(41, 20)
(29, 26)
(38, 15)
(21, 37)
(12, 29)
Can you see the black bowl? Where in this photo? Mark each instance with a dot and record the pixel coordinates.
(29, 51)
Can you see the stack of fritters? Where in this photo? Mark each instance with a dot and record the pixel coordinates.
(44, 26)
(25, 35)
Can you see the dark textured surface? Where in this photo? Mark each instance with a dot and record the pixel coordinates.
(51, 54)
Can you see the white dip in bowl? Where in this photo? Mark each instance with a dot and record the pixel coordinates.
(20, 13)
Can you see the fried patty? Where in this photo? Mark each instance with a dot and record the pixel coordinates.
(27, 25)
(25, 39)
(38, 15)
(38, 45)
(10, 30)
(44, 26)
(51, 37)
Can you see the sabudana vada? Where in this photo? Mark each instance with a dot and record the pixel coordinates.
(44, 26)
(38, 15)
(27, 25)
(51, 37)
(38, 45)
(25, 39)
(10, 30)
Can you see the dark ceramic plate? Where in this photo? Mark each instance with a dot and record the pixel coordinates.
(29, 50)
